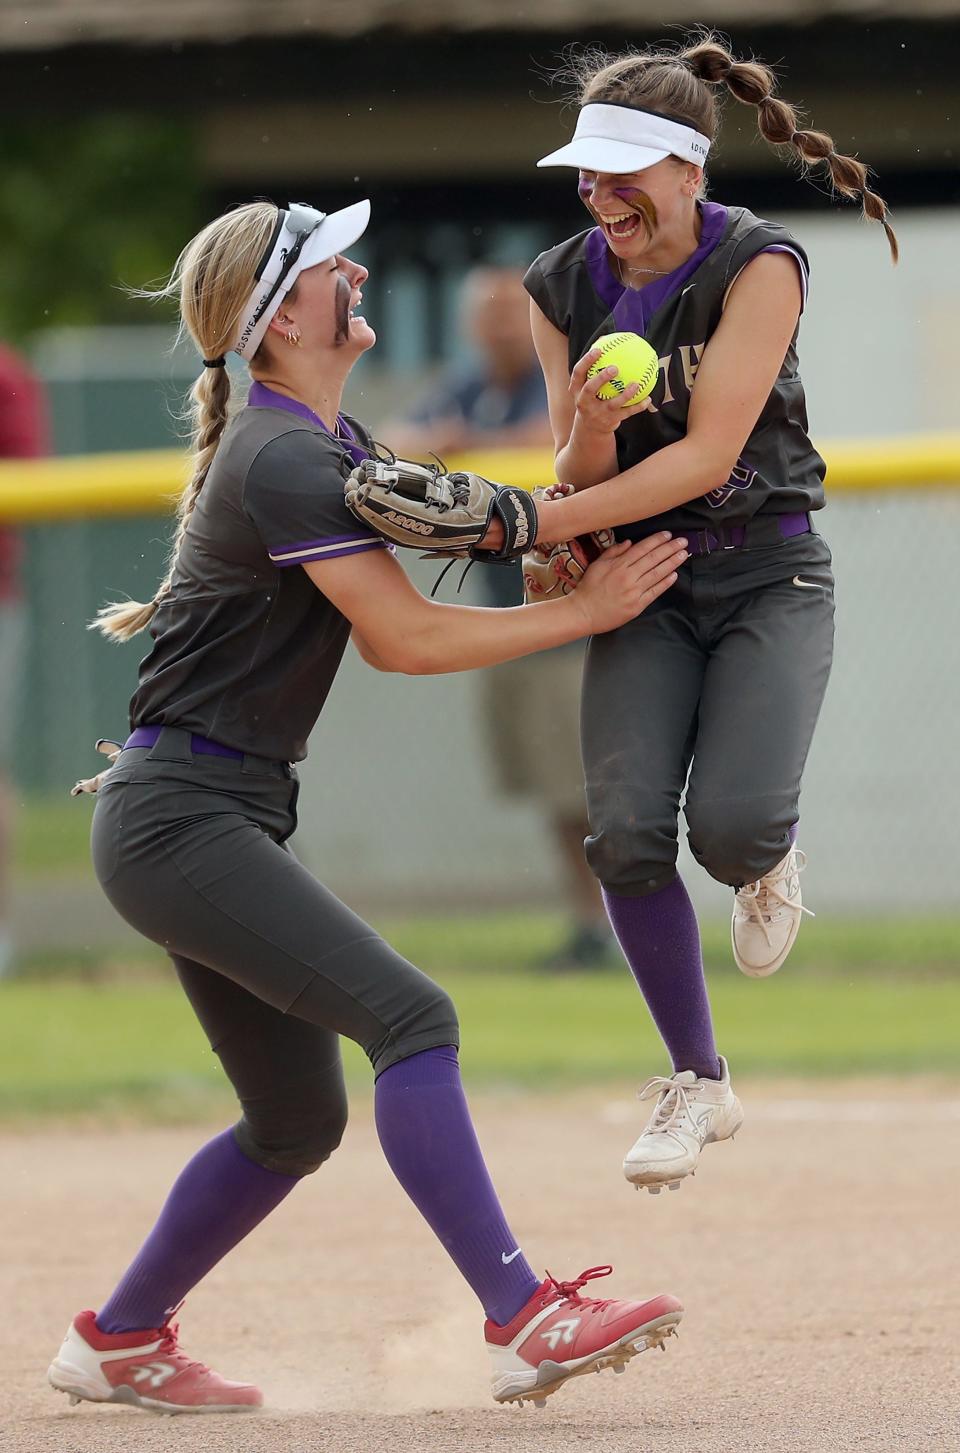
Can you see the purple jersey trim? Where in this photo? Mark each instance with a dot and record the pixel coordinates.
(632, 308)
(262, 397)
(284, 555)
(360, 535)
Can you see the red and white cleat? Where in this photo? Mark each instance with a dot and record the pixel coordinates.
(144, 1369)
(559, 1335)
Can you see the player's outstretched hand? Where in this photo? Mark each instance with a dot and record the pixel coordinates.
(626, 578)
(601, 416)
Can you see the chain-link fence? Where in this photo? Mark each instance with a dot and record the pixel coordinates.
(879, 817)
(879, 812)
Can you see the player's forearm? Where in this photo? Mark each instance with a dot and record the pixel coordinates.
(587, 458)
(463, 638)
(670, 477)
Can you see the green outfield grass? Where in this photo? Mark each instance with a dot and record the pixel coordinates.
(522, 940)
(53, 838)
(828, 944)
(52, 834)
(129, 1044)
(110, 1033)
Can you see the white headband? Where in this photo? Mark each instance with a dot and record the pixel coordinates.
(619, 139)
(301, 238)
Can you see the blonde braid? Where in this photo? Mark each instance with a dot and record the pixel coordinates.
(210, 396)
(212, 278)
(753, 83)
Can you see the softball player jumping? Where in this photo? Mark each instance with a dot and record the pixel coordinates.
(717, 689)
(192, 825)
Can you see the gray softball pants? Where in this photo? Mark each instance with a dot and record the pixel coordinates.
(192, 851)
(716, 689)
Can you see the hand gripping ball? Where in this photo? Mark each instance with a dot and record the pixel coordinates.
(636, 361)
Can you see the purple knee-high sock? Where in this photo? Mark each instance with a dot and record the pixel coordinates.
(216, 1200)
(661, 941)
(431, 1146)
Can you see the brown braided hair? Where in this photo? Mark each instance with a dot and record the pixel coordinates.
(679, 83)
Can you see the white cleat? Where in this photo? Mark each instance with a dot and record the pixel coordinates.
(689, 1114)
(766, 917)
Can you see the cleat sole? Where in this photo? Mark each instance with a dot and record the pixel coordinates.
(129, 1398)
(649, 1181)
(655, 1190)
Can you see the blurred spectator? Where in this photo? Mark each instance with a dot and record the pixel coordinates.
(530, 707)
(23, 435)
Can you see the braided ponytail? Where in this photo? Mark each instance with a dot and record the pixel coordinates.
(753, 84)
(681, 83)
(212, 279)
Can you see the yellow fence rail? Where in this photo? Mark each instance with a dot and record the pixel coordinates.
(147, 482)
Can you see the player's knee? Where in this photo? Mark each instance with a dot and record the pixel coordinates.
(427, 1021)
(444, 1016)
(295, 1131)
(632, 858)
(435, 1019)
(737, 841)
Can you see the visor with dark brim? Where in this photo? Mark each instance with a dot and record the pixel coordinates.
(302, 238)
(620, 139)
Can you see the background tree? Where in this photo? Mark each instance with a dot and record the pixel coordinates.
(86, 206)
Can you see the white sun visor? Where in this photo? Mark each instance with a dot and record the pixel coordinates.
(302, 238)
(619, 139)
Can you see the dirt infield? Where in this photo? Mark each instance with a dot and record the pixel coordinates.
(817, 1257)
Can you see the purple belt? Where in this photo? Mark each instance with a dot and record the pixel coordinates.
(146, 736)
(734, 537)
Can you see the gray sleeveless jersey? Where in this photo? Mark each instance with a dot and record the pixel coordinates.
(245, 647)
(779, 471)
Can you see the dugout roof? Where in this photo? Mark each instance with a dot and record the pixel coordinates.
(49, 24)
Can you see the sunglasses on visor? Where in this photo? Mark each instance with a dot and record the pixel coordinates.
(303, 222)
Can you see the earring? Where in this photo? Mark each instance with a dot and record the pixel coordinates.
(293, 337)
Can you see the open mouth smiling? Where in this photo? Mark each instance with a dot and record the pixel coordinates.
(345, 307)
(621, 225)
(636, 212)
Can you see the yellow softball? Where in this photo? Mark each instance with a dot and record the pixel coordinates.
(636, 361)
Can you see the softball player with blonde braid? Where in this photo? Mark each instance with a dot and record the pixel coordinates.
(192, 825)
(716, 690)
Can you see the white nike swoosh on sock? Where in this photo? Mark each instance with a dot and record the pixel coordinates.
(512, 1257)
